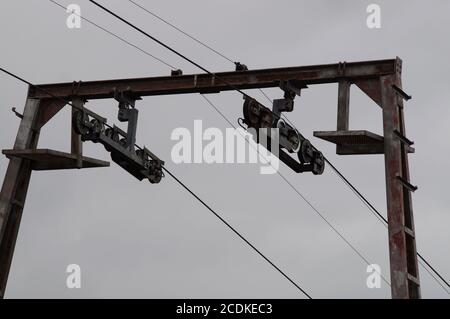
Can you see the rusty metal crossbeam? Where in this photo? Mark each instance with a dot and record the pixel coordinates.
(225, 81)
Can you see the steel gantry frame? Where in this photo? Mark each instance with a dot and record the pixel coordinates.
(380, 80)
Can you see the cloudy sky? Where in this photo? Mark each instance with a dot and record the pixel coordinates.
(137, 240)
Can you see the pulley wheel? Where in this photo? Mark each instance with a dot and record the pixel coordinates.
(109, 132)
(80, 120)
(319, 163)
(306, 152)
(294, 139)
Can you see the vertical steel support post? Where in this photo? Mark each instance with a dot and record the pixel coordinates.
(402, 246)
(14, 189)
(76, 145)
(343, 105)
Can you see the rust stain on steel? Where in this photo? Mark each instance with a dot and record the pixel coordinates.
(196, 83)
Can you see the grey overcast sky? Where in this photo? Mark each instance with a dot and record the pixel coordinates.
(137, 240)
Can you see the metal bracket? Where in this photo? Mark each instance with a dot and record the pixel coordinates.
(401, 92)
(407, 184)
(403, 138)
(177, 72)
(126, 98)
(240, 66)
(20, 116)
(75, 87)
(128, 113)
(282, 105)
(291, 88)
(287, 103)
(342, 68)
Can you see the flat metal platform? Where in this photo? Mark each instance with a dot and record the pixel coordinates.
(357, 142)
(350, 137)
(46, 159)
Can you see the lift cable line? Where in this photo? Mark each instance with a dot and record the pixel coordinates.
(405, 286)
(182, 184)
(182, 31)
(236, 232)
(202, 43)
(333, 167)
(240, 91)
(339, 173)
(31, 108)
(184, 57)
(435, 271)
(346, 241)
(40, 89)
(346, 181)
(117, 37)
(158, 59)
(165, 21)
(230, 60)
(383, 220)
(207, 71)
(53, 96)
(217, 77)
(336, 170)
(381, 217)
